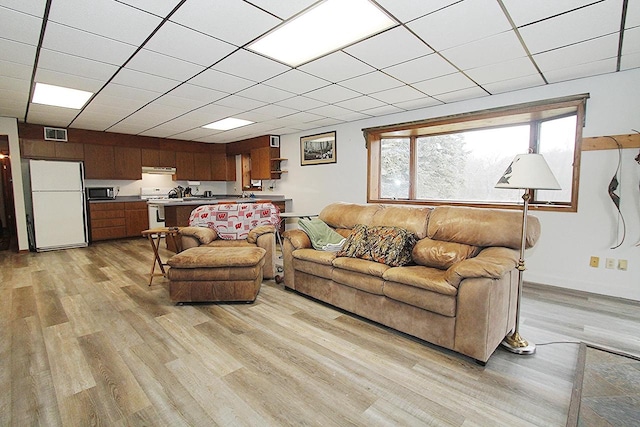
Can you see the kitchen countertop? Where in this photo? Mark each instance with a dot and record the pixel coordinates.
(191, 201)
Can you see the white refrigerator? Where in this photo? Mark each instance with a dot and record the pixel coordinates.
(58, 200)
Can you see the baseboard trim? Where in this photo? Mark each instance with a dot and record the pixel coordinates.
(576, 293)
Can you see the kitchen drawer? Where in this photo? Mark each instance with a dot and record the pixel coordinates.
(106, 214)
(108, 222)
(107, 206)
(108, 233)
(131, 206)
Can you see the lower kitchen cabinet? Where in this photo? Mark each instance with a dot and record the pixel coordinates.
(114, 220)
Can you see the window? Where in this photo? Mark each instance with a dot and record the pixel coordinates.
(458, 160)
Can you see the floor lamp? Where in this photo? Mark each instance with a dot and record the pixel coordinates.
(526, 172)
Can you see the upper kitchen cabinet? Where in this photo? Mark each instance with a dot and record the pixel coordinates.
(223, 167)
(100, 161)
(128, 163)
(158, 158)
(41, 149)
(265, 163)
(185, 166)
(112, 162)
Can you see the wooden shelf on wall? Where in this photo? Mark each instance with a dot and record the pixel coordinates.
(607, 143)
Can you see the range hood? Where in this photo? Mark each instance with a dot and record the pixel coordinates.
(160, 170)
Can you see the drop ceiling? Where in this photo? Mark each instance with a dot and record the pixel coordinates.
(165, 68)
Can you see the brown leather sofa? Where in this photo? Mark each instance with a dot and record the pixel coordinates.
(458, 291)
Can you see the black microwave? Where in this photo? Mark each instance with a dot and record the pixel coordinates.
(101, 193)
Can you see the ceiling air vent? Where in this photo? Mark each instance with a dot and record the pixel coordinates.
(55, 134)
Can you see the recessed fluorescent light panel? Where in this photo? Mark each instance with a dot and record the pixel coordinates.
(323, 29)
(228, 123)
(58, 96)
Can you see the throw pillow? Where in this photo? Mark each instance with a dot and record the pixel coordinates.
(387, 245)
(441, 255)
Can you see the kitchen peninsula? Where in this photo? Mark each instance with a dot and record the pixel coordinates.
(176, 213)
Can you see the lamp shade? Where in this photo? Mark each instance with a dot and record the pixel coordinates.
(528, 171)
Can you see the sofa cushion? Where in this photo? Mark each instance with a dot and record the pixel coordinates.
(347, 215)
(320, 257)
(418, 276)
(386, 245)
(442, 255)
(409, 218)
(481, 227)
(361, 266)
(206, 257)
(422, 298)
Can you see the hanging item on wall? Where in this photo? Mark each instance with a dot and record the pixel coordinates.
(613, 186)
(637, 159)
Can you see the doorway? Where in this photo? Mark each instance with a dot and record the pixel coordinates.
(8, 233)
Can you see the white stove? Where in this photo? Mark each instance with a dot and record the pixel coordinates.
(156, 198)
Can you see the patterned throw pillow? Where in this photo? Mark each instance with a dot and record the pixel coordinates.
(386, 245)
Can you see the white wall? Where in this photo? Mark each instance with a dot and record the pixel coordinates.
(561, 258)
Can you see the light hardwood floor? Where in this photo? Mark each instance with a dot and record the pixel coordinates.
(85, 341)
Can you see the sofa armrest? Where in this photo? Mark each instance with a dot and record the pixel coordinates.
(196, 236)
(298, 239)
(259, 231)
(492, 263)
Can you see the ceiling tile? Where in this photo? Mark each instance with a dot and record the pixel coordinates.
(336, 67)
(17, 52)
(86, 45)
(517, 83)
(631, 41)
(19, 26)
(67, 80)
(241, 103)
(383, 50)
(274, 111)
(235, 21)
(189, 45)
(331, 111)
(304, 117)
(194, 134)
(525, 12)
(164, 66)
(265, 93)
(593, 21)
(220, 81)
(361, 103)
(245, 64)
(16, 86)
(444, 84)
(633, 14)
(372, 82)
(284, 9)
(581, 70)
(415, 104)
(132, 127)
(576, 54)
(630, 61)
(133, 78)
(54, 116)
(32, 7)
(398, 94)
(70, 64)
(126, 93)
(210, 113)
(419, 69)
(106, 18)
(15, 70)
(490, 50)
(503, 71)
(301, 103)
(157, 7)
(461, 23)
(408, 10)
(383, 111)
(462, 94)
(296, 81)
(196, 93)
(332, 94)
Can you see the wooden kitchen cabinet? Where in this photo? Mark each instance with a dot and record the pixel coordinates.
(136, 215)
(261, 163)
(128, 163)
(220, 167)
(107, 221)
(201, 167)
(158, 158)
(185, 167)
(99, 161)
(115, 220)
(40, 149)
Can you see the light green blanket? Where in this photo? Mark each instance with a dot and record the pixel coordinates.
(323, 237)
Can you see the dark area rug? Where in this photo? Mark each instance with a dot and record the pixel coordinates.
(606, 389)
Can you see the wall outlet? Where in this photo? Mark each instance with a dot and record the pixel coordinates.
(594, 261)
(622, 264)
(610, 263)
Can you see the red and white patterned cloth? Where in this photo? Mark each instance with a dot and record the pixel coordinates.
(234, 221)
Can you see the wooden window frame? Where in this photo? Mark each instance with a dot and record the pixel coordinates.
(527, 113)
